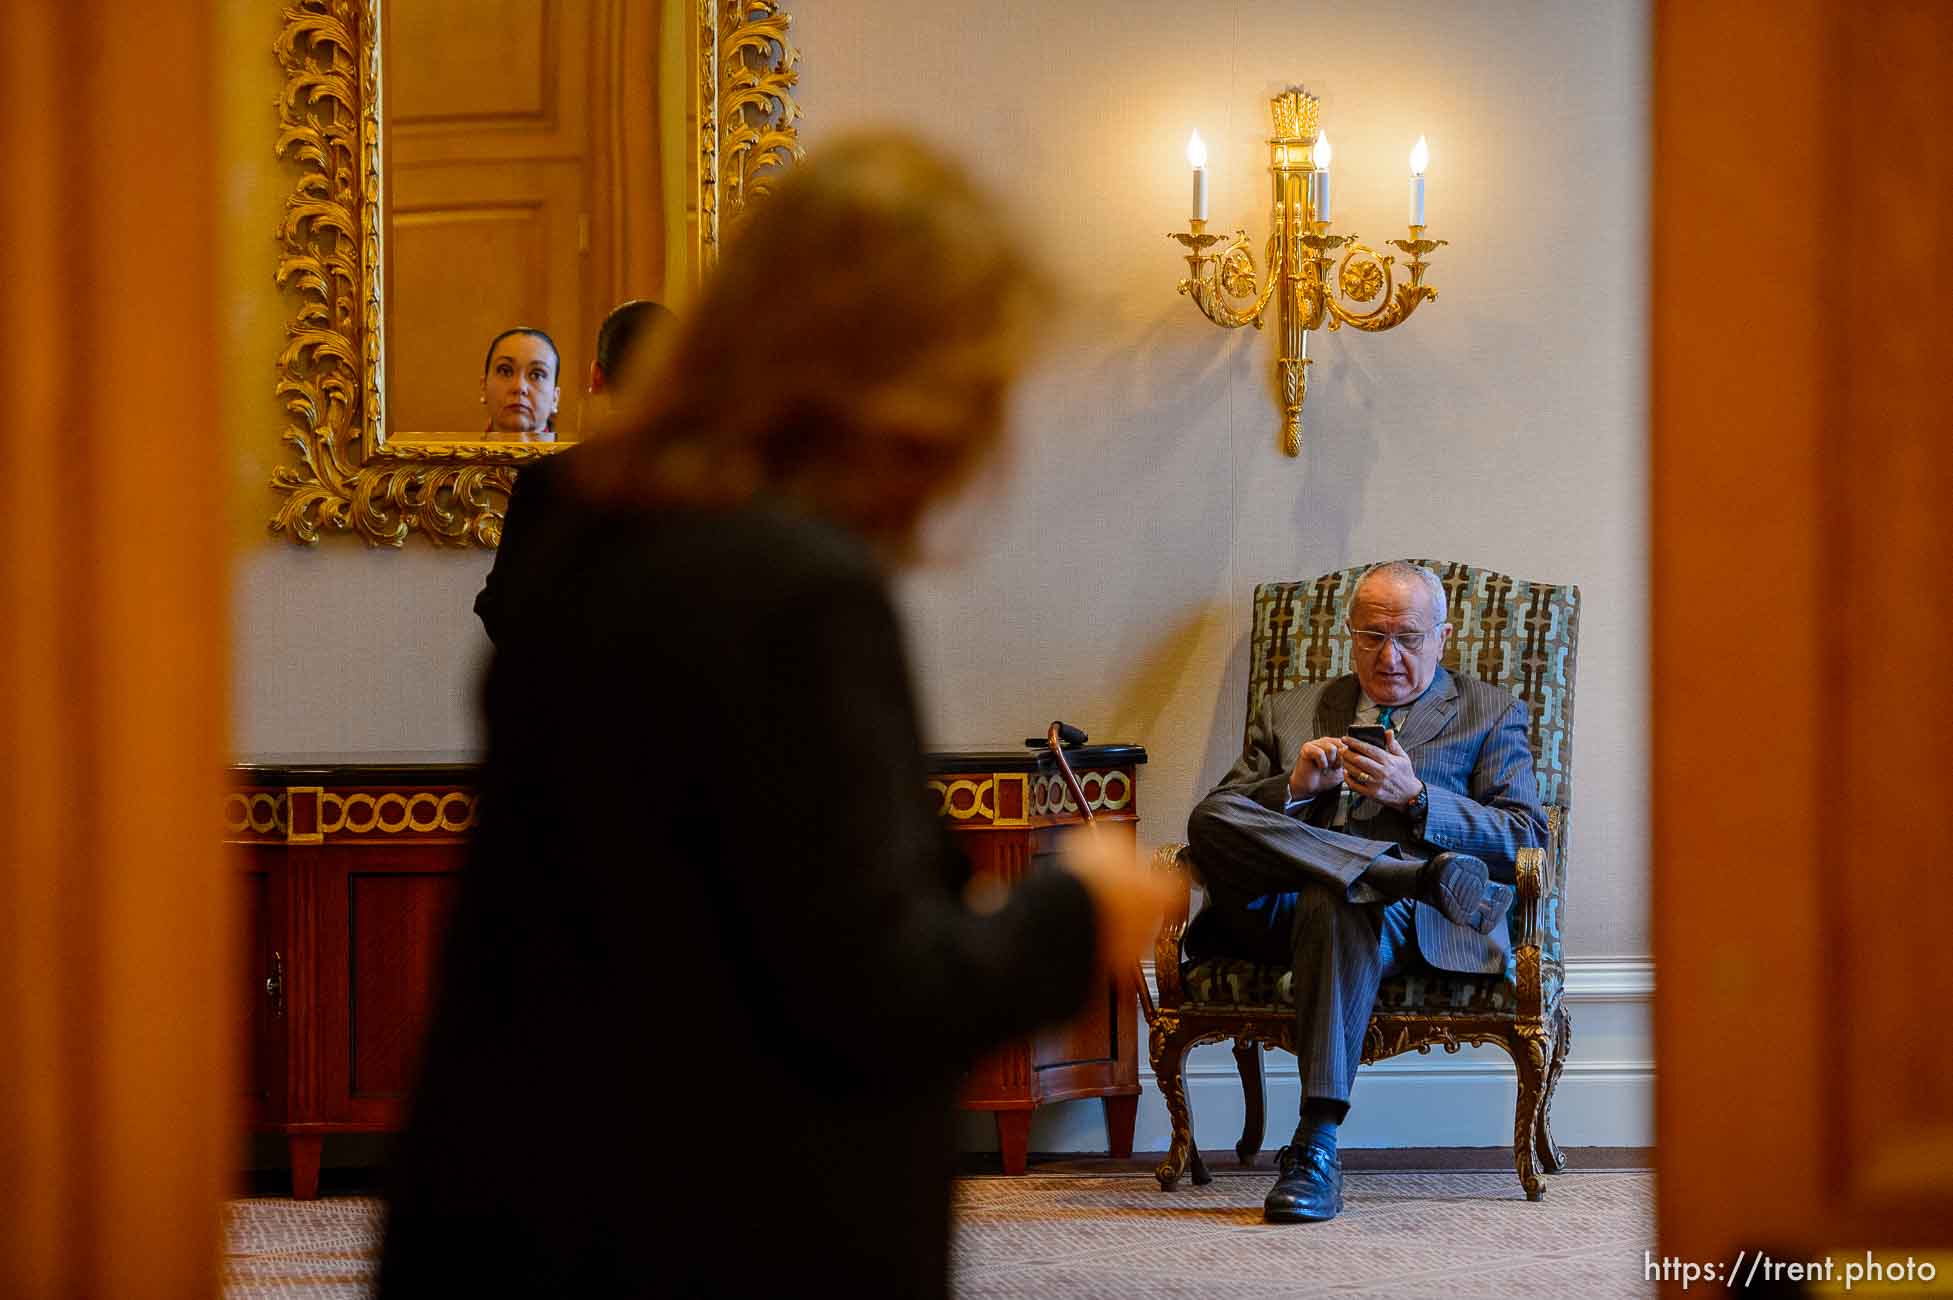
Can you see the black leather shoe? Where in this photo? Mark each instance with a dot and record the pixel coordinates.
(1309, 1188)
(1460, 886)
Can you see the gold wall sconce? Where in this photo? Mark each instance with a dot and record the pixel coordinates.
(1226, 288)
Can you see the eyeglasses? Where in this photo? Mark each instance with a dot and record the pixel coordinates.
(1371, 643)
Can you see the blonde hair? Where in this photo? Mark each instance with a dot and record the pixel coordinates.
(874, 310)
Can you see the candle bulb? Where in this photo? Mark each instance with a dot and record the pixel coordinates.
(1197, 156)
(1320, 177)
(1420, 158)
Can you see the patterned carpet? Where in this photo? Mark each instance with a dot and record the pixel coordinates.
(1449, 1235)
(275, 1246)
(1409, 1235)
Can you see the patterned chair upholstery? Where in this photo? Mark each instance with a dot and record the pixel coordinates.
(1521, 636)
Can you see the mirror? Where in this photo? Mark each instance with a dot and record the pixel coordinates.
(523, 142)
(465, 166)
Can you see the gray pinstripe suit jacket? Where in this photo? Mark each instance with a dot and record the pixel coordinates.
(1467, 742)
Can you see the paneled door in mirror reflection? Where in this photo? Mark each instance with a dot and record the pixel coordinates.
(523, 181)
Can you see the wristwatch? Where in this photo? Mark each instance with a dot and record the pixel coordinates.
(1420, 802)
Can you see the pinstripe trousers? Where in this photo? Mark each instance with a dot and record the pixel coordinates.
(1342, 937)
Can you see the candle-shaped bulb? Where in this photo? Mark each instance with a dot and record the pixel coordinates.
(1420, 159)
(1197, 155)
(1319, 180)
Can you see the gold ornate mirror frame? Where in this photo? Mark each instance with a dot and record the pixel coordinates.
(349, 478)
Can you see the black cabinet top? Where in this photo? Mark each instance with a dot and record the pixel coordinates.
(451, 767)
(380, 767)
(1026, 759)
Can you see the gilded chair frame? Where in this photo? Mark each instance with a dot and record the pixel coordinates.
(1537, 1031)
(348, 478)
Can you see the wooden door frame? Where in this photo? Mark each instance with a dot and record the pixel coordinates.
(1786, 521)
(118, 1117)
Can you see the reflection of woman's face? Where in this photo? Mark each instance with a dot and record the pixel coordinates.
(520, 387)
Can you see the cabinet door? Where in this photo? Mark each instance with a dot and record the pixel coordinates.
(1001, 1078)
(262, 984)
(1082, 1057)
(1095, 1049)
(382, 915)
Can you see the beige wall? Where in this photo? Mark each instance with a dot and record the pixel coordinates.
(1504, 425)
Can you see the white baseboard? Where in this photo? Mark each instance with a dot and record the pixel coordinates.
(1605, 1097)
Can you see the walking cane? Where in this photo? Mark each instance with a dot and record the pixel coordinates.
(1060, 735)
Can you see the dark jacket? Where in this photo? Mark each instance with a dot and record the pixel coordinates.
(538, 486)
(709, 983)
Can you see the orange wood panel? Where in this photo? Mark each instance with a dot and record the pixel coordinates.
(263, 982)
(382, 914)
(629, 257)
(488, 79)
(1893, 483)
(117, 914)
(1799, 619)
(481, 63)
(394, 936)
(1090, 1037)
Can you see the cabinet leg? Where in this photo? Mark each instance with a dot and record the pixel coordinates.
(305, 1166)
(1014, 1138)
(1121, 1118)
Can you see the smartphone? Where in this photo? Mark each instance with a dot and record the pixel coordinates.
(1370, 735)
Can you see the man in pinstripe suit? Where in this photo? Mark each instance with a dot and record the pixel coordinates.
(1357, 861)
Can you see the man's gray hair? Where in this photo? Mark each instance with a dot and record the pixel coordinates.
(1405, 571)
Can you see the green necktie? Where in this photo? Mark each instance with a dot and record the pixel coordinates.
(1383, 718)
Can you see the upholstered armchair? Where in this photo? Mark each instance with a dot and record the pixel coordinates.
(1521, 636)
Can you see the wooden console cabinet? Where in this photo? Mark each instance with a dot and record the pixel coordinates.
(350, 866)
(1010, 809)
(349, 869)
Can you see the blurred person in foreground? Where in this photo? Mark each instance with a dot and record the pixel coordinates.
(711, 976)
(617, 376)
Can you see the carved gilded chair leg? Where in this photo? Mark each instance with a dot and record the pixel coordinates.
(1551, 1158)
(1529, 1055)
(1254, 1097)
(1169, 1052)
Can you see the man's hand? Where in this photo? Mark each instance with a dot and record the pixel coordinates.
(1384, 774)
(1318, 767)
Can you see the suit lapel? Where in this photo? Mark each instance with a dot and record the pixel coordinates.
(1336, 708)
(1431, 712)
